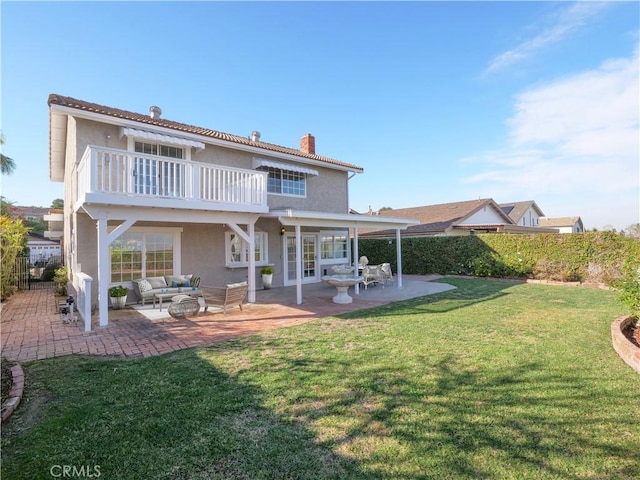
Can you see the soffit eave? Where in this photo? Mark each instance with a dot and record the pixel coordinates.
(57, 145)
(336, 220)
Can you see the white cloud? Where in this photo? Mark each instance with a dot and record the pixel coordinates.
(574, 143)
(561, 25)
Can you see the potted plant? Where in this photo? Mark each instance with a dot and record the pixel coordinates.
(267, 276)
(118, 296)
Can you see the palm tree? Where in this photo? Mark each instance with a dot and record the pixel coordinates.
(7, 165)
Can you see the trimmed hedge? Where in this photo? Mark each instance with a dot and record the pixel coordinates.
(603, 257)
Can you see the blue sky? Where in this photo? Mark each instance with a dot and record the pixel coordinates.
(438, 101)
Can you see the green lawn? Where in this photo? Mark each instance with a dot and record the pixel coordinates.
(493, 380)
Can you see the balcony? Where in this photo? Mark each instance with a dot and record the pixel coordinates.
(118, 177)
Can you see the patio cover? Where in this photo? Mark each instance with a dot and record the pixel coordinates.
(299, 219)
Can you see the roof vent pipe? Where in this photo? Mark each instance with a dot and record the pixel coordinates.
(155, 112)
(255, 136)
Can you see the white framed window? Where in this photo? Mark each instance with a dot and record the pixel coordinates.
(334, 246)
(145, 252)
(237, 250)
(285, 182)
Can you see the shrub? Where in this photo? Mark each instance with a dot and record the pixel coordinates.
(13, 235)
(118, 291)
(60, 279)
(629, 291)
(49, 271)
(590, 256)
(556, 270)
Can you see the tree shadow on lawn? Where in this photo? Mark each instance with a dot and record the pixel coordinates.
(176, 416)
(519, 422)
(219, 413)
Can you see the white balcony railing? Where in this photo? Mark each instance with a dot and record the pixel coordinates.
(106, 171)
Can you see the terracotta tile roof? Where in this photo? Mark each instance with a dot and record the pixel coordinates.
(69, 102)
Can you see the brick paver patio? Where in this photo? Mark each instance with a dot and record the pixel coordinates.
(32, 328)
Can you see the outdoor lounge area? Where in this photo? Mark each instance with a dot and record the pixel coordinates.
(33, 329)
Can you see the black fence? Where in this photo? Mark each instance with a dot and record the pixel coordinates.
(30, 277)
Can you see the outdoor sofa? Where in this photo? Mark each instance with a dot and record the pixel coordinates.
(146, 288)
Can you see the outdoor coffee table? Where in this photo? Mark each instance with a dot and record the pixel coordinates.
(162, 296)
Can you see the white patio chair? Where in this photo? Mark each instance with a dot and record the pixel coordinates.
(386, 274)
(371, 274)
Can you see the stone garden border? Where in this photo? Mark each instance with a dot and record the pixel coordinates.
(15, 394)
(627, 350)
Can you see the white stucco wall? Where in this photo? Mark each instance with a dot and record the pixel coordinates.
(484, 216)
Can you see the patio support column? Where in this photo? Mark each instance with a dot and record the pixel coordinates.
(105, 239)
(103, 272)
(356, 287)
(298, 266)
(399, 256)
(252, 263)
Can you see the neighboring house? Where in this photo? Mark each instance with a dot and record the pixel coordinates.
(526, 214)
(145, 196)
(42, 250)
(29, 214)
(563, 224)
(55, 224)
(457, 218)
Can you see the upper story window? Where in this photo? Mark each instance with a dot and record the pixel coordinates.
(159, 149)
(284, 178)
(285, 182)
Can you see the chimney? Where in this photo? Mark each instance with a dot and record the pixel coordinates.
(155, 112)
(255, 136)
(308, 144)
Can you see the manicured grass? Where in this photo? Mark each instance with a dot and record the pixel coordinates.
(492, 380)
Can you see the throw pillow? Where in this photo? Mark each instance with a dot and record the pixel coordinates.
(195, 282)
(175, 278)
(239, 284)
(157, 282)
(144, 286)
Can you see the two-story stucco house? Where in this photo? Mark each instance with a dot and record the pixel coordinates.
(525, 214)
(148, 196)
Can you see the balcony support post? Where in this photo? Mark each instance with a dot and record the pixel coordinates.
(103, 272)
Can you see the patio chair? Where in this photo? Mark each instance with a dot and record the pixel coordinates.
(371, 274)
(230, 296)
(387, 275)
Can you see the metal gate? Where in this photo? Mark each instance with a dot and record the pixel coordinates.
(27, 277)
